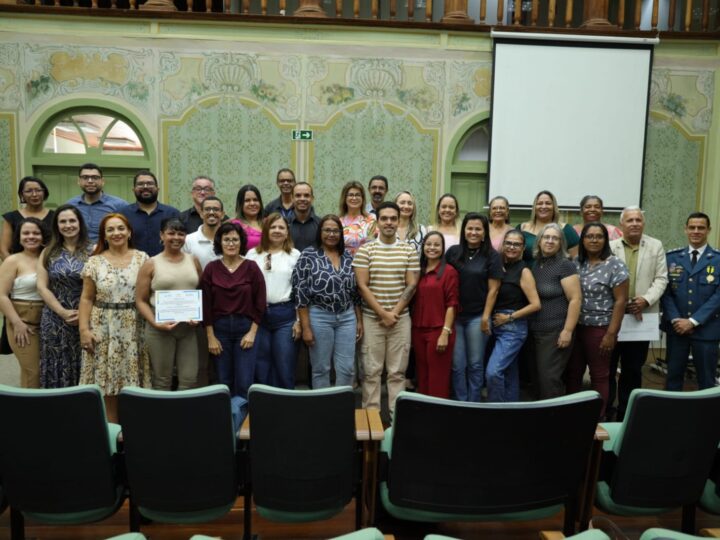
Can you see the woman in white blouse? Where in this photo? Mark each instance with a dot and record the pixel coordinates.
(280, 328)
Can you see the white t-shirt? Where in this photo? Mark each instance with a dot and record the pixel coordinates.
(277, 273)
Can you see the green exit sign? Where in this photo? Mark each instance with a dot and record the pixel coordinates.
(302, 135)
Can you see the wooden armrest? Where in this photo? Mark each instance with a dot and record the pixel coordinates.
(244, 432)
(551, 535)
(362, 428)
(601, 434)
(389, 536)
(712, 533)
(377, 432)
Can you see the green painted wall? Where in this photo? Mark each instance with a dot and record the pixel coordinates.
(221, 99)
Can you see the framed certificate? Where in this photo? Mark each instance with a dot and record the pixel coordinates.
(178, 306)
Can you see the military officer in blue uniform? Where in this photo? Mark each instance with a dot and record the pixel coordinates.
(691, 306)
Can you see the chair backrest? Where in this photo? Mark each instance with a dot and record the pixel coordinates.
(302, 448)
(665, 447)
(480, 458)
(179, 449)
(55, 452)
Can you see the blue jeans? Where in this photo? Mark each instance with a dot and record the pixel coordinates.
(277, 350)
(235, 365)
(502, 370)
(468, 358)
(334, 342)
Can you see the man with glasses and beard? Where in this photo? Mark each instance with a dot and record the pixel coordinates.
(94, 204)
(146, 215)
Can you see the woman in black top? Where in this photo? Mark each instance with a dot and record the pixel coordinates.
(480, 270)
(516, 299)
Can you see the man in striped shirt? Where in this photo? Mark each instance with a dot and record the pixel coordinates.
(386, 271)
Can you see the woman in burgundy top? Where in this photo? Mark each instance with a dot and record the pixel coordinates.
(433, 316)
(233, 305)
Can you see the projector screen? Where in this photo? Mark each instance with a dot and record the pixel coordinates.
(569, 116)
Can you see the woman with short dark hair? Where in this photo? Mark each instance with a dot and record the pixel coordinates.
(234, 303)
(174, 343)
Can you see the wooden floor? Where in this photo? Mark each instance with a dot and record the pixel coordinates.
(231, 528)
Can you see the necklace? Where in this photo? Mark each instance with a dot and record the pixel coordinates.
(472, 253)
(231, 266)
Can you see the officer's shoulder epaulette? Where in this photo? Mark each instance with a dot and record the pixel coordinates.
(714, 250)
(676, 250)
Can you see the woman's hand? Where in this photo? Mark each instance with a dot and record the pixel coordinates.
(248, 340)
(308, 337)
(297, 330)
(564, 339)
(501, 318)
(359, 330)
(22, 334)
(165, 327)
(88, 341)
(214, 346)
(485, 326)
(607, 344)
(442, 342)
(70, 317)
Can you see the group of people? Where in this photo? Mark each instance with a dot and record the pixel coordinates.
(360, 289)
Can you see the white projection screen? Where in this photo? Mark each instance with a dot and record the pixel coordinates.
(569, 114)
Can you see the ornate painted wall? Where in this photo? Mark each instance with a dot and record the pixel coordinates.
(387, 105)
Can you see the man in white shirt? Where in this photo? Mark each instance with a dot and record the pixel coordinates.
(200, 242)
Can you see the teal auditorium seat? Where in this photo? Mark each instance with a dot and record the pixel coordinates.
(179, 450)
(660, 456)
(710, 499)
(58, 459)
(129, 536)
(453, 461)
(585, 535)
(363, 534)
(666, 534)
(304, 459)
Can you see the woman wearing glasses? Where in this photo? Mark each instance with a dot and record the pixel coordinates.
(516, 300)
(328, 305)
(558, 286)
(234, 303)
(358, 224)
(604, 280)
(280, 327)
(33, 193)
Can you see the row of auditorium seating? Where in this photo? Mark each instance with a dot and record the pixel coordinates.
(178, 458)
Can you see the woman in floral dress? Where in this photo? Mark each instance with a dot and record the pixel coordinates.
(111, 334)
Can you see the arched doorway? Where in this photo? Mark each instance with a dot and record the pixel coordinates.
(72, 136)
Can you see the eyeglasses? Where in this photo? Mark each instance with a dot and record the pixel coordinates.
(198, 189)
(231, 240)
(353, 196)
(594, 237)
(331, 232)
(145, 185)
(549, 238)
(89, 177)
(513, 244)
(211, 210)
(32, 191)
(268, 262)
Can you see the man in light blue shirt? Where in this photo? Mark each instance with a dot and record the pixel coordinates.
(94, 204)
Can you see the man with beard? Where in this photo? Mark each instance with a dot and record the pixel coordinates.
(377, 188)
(303, 223)
(200, 242)
(202, 186)
(146, 215)
(285, 181)
(94, 204)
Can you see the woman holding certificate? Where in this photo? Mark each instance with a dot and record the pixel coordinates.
(234, 303)
(111, 332)
(172, 343)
